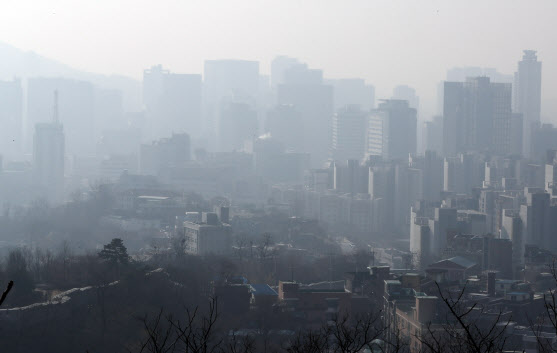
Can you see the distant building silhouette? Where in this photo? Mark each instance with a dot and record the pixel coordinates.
(76, 111)
(284, 123)
(352, 91)
(349, 133)
(392, 130)
(305, 91)
(224, 82)
(164, 153)
(477, 117)
(237, 124)
(527, 94)
(48, 156)
(172, 102)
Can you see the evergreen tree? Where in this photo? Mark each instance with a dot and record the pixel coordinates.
(115, 252)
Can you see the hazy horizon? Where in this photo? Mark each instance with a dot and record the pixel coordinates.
(385, 42)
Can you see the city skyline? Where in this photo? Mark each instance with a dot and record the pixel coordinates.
(392, 39)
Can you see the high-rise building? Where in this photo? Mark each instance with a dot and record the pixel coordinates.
(11, 118)
(349, 134)
(48, 156)
(407, 93)
(527, 94)
(279, 66)
(544, 137)
(237, 125)
(391, 130)
(303, 88)
(227, 81)
(512, 229)
(476, 116)
(352, 91)
(539, 218)
(76, 111)
(350, 177)
(284, 123)
(432, 135)
(172, 102)
(430, 167)
(463, 172)
(164, 153)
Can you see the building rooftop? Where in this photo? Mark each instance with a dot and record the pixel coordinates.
(262, 289)
(462, 261)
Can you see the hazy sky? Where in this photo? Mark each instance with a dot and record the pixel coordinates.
(387, 42)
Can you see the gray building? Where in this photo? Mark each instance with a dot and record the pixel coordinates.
(303, 88)
(172, 102)
(349, 133)
(48, 156)
(164, 153)
(391, 130)
(527, 93)
(477, 116)
(209, 236)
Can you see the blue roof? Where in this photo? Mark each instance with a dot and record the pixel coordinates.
(262, 289)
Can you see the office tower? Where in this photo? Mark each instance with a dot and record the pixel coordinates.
(462, 173)
(349, 133)
(407, 93)
(352, 91)
(420, 239)
(76, 111)
(350, 177)
(544, 137)
(237, 125)
(462, 73)
(391, 131)
(444, 220)
(301, 74)
(303, 88)
(498, 256)
(550, 183)
(539, 219)
(512, 229)
(227, 81)
(516, 135)
(164, 153)
(284, 123)
(432, 135)
(223, 78)
(277, 166)
(527, 94)
(48, 156)
(11, 118)
(381, 188)
(172, 102)
(476, 116)
(430, 166)
(279, 66)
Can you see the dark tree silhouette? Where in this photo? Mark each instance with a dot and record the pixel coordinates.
(115, 252)
(5, 294)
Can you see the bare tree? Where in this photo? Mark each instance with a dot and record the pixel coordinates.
(467, 328)
(546, 325)
(5, 293)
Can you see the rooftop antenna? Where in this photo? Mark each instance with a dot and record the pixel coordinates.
(55, 117)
